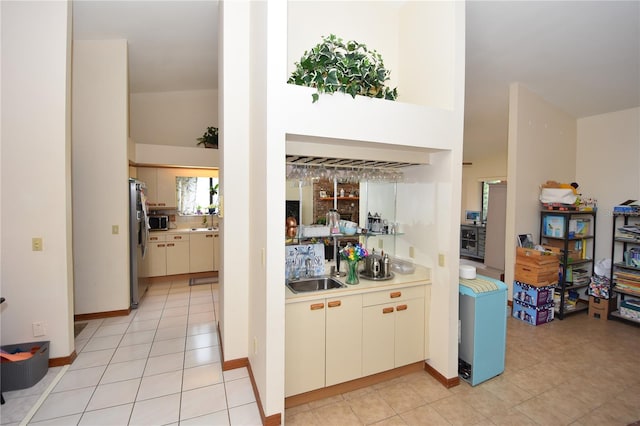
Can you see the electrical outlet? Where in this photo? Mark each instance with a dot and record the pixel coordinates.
(255, 346)
(39, 329)
(412, 253)
(36, 244)
(115, 229)
(440, 259)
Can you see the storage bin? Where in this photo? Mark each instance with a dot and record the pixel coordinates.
(534, 315)
(600, 308)
(532, 295)
(536, 276)
(26, 373)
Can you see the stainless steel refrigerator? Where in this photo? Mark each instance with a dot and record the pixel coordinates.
(138, 239)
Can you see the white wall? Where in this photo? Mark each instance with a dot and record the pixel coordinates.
(36, 173)
(607, 166)
(172, 118)
(542, 146)
(100, 172)
(482, 169)
(176, 155)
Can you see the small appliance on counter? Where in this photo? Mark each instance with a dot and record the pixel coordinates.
(158, 222)
(377, 267)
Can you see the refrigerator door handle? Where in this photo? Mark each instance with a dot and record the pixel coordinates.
(144, 234)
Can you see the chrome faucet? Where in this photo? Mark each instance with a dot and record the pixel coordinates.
(307, 267)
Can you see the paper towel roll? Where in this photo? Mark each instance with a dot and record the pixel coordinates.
(467, 272)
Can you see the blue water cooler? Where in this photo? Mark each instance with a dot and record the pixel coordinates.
(482, 329)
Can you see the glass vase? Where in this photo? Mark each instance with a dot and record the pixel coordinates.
(352, 272)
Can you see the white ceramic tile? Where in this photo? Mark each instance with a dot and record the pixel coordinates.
(143, 325)
(118, 415)
(38, 388)
(164, 363)
(80, 344)
(156, 411)
(239, 392)
(177, 302)
(246, 415)
(201, 317)
(202, 341)
(76, 379)
(173, 321)
(137, 338)
(100, 343)
(15, 409)
(119, 320)
(201, 401)
(170, 333)
(92, 359)
(148, 306)
(129, 353)
(87, 332)
(111, 330)
(235, 374)
(119, 371)
(164, 347)
(112, 394)
(201, 356)
(177, 311)
(59, 421)
(149, 315)
(201, 376)
(154, 298)
(220, 418)
(201, 299)
(204, 307)
(202, 328)
(160, 385)
(63, 404)
(178, 290)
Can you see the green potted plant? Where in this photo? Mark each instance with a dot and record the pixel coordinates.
(336, 66)
(210, 138)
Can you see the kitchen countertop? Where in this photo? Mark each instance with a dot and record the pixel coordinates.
(186, 230)
(421, 276)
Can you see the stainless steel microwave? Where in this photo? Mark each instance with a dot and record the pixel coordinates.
(158, 222)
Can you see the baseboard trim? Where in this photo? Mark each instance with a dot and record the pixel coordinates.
(100, 315)
(352, 385)
(64, 360)
(510, 303)
(272, 420)
(235, 363)
(447, 383)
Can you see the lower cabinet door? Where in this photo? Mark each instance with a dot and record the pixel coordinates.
(177, 257)
(409, 332)
(155, 261)
(304, 346)
(343, 339)
(378, 330)
(201, 252)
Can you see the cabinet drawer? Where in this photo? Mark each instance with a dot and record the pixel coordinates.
(392, 295)
(178, 237)
(155, 237)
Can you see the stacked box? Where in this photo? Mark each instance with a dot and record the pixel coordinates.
(535, 267)
(600, 308)
(532, 295)
(534, 315)
(630, 309)
(574, 247)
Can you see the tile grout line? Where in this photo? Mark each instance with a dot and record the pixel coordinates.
(44, 396)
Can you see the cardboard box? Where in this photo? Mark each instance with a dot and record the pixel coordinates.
(534, 315)
(532, 295)
(536, 276)
(600, 308)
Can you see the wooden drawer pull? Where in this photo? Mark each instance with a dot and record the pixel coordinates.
(334, 304)
(177, 237)
(170, 245)
(401, 308)
(395, 294)
(387, 310)
(160, 245)
(317, 306)
(209, 235)
(153, 238)
(216, 236)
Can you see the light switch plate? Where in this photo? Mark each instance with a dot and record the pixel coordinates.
(36, 244)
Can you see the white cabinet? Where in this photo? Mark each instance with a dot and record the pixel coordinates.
(160, 186)
(304, 346)
(201, 245)
(167, 254)
(177, 254)
(216, 252)
(393, 331)
(343, 339)
(323, 343)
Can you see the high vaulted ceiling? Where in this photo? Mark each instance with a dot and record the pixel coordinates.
(582, 56)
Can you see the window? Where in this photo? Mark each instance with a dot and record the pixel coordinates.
(196, 194)
(485, 197)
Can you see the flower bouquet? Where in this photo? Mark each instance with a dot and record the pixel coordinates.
(353, 254)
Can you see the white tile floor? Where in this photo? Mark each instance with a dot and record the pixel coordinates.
(160, 365)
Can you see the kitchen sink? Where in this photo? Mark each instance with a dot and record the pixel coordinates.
(305, 285)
